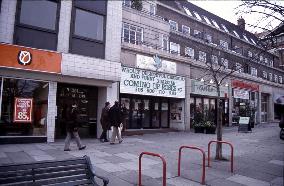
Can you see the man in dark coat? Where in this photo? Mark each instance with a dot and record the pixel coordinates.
(105, 122)
(115, 121)
(71, 114)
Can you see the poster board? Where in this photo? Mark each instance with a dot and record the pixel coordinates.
(244, 124)
(23, 110)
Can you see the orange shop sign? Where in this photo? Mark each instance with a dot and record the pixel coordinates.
(13, 56)
(23, 110)
(243, 85)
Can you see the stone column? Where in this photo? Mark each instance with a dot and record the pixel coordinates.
(258, 107)
(51, 111)
(64, 26)
(270, 108)
(231, 102)
(7, 20)
(187, 104)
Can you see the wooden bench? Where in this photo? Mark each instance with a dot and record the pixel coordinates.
(77, 171)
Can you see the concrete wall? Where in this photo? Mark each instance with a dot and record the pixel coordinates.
(51, 112)
(7, 20)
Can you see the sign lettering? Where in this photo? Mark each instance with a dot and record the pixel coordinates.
(23, 110)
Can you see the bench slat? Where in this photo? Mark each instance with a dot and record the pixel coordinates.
(7, 174)
(16, 179)
(62, 180)
(51, 175)
(59, 168)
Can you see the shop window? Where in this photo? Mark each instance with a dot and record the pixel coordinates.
(189, 52)
(24, 108)
(174, 48)
(185, 30)
(37, 24)
(173, 25)
(88, 28)
(202, 56)
(132, 34)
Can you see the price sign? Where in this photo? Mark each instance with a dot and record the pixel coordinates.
(23, 110)
(244, 124)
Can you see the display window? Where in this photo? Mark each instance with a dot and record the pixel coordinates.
(24, 105)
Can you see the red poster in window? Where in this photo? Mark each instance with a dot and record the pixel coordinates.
(23, 110)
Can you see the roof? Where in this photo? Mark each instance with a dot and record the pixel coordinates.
(211, 19)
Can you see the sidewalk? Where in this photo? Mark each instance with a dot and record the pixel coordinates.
(258, 159)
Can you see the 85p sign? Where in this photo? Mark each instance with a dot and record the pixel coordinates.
(23, 110)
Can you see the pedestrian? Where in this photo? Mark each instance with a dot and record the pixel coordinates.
(105, 122)
(124, 115)
(71, 114)
(115, 121)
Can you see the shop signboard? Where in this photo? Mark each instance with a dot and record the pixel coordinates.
(244, 85)
(155, 63)
(144, 82)
(200, 88)
(244, 124)
(241, 93)
(23, 110)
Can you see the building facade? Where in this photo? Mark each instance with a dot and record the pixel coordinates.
(180, 33)
(54, 53)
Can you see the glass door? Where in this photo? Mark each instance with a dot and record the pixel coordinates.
(155, 113)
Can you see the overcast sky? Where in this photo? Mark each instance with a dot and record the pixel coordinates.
(226, 10)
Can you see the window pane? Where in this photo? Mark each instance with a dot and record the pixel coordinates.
(89, 25)
(39, 13)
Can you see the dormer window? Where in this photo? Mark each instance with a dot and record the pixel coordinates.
(207, 20)
(215, 23)
(225, 28)
(253, 41)
(236, 34)
(197, 16)
(246, 38)
(173, 25)
(187, 11)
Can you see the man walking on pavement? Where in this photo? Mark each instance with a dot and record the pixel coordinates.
(115, 121)
(105, 122)
(71, 118)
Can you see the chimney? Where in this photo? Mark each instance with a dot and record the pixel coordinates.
(242, 23)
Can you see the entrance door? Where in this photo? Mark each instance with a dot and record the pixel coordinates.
(155, 113)
(140, 113)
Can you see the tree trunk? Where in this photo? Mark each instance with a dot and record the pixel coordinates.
(219, 126)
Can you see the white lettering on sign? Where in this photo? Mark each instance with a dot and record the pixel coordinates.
(243, 94)
(138, 81)
(200, 88)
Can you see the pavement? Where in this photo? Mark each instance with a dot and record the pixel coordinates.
(258, 157)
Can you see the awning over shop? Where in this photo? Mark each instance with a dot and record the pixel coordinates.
(279, 99)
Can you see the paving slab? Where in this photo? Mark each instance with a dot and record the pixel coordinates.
(247, 181)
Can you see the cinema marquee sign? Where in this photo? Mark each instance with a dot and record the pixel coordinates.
(144, 82)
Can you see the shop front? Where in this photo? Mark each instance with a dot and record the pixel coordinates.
(245, 101)
(24, 101)
(203, 102)
(152, 99)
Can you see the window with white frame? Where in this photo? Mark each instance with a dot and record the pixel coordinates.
(276, 78)
(246, 38)
(253, 71)
(249, 54)
(208, 38)
(271, 63)
(270, 77)
(174, 48)
(214, 59)
(207, 20)
(197, 16)
(224, 44)
(266, 61)
(225, 28)
(165, 43)
(173, 25)
(264, 75)
(132, 34)
(202, 56)
(152, 9)
(189, 52)
(126, 2)
(215, 23)
(236, 34)
(253, 41)
(280, 79)
(187, 11)
(225, 63)
(185, 30)
(239, 68)
(260, 58)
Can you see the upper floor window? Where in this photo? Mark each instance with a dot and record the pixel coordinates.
(185, 30)
(173, 25)
(88, 28)
(246, 38)
(214, 60)
(253, 41)
(260, 58)
(271, 63)
(224, 44)
(174, 48)
(152, 9)
(266, 61)
(239, 68)
(280, 79)
(189, 52)
(276, 78)
(132, 34)
(249, 54)
(126, 3)
(165, 43)
(215, 23)
(207, 20)
(236, 34)
(202, 56)
(264, 75)
(225, 28)
(197, 16)
(187, 11)
(37, 24)
(253, 71)
(225, 63)
(270, 77)
(208, 38)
